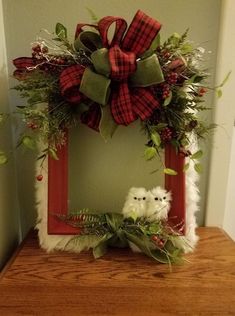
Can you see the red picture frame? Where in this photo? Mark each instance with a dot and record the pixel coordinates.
(58, 190)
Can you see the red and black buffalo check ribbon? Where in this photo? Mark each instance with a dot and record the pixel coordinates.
(127, 45)
(127, 103)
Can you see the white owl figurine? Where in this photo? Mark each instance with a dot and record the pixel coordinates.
(158, 204)
(136, 203)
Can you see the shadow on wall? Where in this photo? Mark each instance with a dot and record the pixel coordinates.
(9, 210)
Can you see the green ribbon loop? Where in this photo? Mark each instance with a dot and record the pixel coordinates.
(88, 41)
(95, 86)
(148, 72)
(100, 60)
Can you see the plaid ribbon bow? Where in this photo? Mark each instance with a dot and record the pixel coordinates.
(112, 84)
(127, 102)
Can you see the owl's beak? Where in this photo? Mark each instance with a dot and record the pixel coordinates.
(139, 199)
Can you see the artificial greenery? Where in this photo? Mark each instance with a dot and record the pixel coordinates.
(47, 114)
(158, 239)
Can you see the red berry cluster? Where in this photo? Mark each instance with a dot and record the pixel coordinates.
(165, 91)
(38, 51)
(172, 78)
(166, 134)
(159, 242)
(32, 125)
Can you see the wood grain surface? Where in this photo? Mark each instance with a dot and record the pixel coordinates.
(121, 283)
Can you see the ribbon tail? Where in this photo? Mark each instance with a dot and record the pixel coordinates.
(23, 66)
(92, 117)
(144, 103)
(121, 105)
(70, 80)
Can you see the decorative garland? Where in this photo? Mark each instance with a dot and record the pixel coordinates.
(104, 84)
(156, 239)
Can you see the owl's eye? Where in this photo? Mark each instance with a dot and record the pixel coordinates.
(135, 198)
(144, 198)
(164, 197)
(156, 199)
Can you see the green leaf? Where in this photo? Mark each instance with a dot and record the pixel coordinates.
(197, 155)
(186, 166)
(102, 246)
(184, 142)
(28, 142)
(52, 152)
(174, 39)
(219, 93)
(176, 144)
(107, 125)
(170, 172)
(167, 101)
(94, 17)
(133, 215)
(3, 158)
(156, 139)
(198, 168)
(150, 153)
(100, 250)
(191, 79)
(161, 126)
(154, 228)
(186, 48)
(61, 31)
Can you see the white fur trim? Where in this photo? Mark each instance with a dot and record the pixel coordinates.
(192, 199)
(54, 242)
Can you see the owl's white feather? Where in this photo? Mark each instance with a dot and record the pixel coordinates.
(158, 204)
(136, 202)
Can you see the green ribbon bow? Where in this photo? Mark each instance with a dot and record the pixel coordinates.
(95, 82)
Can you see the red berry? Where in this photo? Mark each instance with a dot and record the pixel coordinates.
(32, 125)
(158, 241)
(165, 91)
(39, 177)
(154, 238)
(166, 54)
(201, 91)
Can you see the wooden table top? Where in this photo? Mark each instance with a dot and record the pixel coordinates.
(121, 283)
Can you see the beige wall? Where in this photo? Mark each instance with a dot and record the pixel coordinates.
(9, 216)
(221, 185)
(23, 20)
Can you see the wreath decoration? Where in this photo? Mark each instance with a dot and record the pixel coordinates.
(105, 83)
